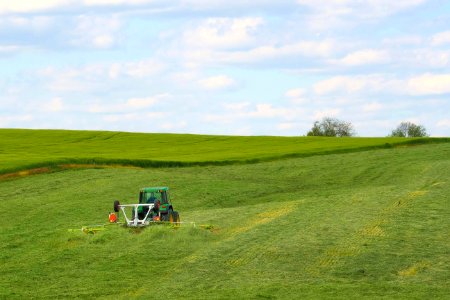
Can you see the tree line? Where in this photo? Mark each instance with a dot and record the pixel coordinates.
(338, 128)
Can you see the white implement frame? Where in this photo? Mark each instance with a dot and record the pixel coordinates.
(135, 221)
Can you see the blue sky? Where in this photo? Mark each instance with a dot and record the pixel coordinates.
(224, 67)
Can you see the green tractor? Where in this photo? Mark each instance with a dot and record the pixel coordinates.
(154, 206)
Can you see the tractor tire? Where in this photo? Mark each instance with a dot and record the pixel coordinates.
(176, 218)
(116, 205)
(165, 217)
(171, 216)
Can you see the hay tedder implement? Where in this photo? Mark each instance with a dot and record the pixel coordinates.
(154, 207)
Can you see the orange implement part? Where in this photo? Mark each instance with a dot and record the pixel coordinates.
(112, 218)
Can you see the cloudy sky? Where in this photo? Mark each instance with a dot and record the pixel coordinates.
(263, 67)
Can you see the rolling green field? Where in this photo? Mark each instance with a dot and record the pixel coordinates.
(371, 224)
(22, 149)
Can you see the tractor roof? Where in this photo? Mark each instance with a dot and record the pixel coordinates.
(155, 189)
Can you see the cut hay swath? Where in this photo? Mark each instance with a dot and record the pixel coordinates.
(93, 229)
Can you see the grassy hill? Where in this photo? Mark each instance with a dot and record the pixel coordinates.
(22, 149)
(365, 224)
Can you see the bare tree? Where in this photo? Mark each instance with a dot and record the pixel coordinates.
(331, 127)
(408, 129)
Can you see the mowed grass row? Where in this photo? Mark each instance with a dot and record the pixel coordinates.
(344, 226)
(25, 149)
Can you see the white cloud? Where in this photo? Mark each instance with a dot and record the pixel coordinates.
(67, 81)
(332, 14)
(219, 118)
(232, 112)
(145, 102)
(185, 77)
(11, 7)
(8, 49)
(243, 131)
(243, 111)
(103, 40)
(12, 121)
(55, 105)
(287, 125)
(7, 6)
(405, 40)
(319, 114)
(138, 69)
(429, 84)
(239, 106)
(266, 110)
(323, 48)
(130, 105)
(82, 79)
(218, 82)
(127, 117)
(97, 75)
(426, 84)
(174, 125)
(31, 23)
(372, 107)
(359, 9)
(348, 84)
(96, 32)
(443, 123)
(365, 57)
(441, 38)
(101, 107)
(222, 33)
(424, 58)
(260, 54)
(295, 93)
(115, 2)
(297, 96)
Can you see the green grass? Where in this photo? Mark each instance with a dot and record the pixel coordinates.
(24, 149)
(371, 224)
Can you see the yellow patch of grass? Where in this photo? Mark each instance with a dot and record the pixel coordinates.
(352, 245)
(372, 231)
(414, 269)
(265, 217)
(192, 258)
(356, 199)
(333, 255)
(24, 173)
(260, 219)
(404, 200)
(236, 262)
(417, 193)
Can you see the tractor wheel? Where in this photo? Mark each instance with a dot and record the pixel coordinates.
(116, 205)
(165, 217)
(176, 217)
(171, 216)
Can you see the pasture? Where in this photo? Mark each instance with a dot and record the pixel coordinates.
(371, 223)
(24, 149)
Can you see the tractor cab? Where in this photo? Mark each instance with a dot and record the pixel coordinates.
(159, 196)
(153, 195)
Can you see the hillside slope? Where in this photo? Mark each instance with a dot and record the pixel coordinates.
(371, 223)
(22, 149)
